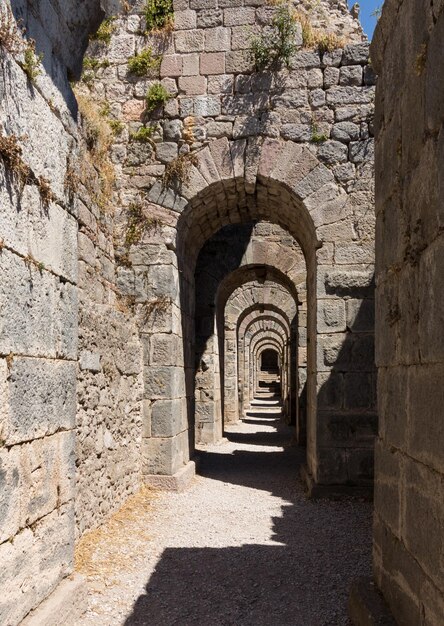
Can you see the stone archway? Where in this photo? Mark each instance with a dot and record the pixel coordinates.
(275, 294)
(288, 330)
(269, 360)
(263, 328)
(237, 182)
(262, 332)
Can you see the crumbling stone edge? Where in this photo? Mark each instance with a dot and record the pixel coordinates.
(64, 606)
(180, 481)
(366, 606)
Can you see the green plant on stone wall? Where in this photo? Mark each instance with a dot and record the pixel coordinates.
(156, 96)
(159, 15)
(316, 136)
(143, 134)
(105, 31)
(90, 67)
(91, 63)
(31, 62)
(286, 31)
(138, 223)
(116, 126)
(278, 44)
(144, 62)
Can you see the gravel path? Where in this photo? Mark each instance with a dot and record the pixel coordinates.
(242, 547)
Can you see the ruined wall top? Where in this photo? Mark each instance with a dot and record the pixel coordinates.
(334, 16)
(331, 15)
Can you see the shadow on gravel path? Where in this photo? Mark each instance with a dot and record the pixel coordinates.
(300, 575)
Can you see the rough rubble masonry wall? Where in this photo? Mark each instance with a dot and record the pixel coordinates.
(109, 378)
(408, 55)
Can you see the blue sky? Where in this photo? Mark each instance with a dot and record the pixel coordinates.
(368, 21)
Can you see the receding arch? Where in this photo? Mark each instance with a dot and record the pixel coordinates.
(260, 287)
(269, 312)
(264, 331)
(211, 207)
(269, 359)
(237, 182)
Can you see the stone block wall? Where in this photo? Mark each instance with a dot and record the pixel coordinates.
(109, 377)
(64, 337)
(38, 347)
(409, 503)
(315, 116)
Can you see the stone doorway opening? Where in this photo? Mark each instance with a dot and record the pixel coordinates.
(243, 286)
(228, 298)
(248, 309)
(268, 372)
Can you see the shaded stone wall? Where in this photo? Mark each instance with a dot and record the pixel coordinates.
(409, 507)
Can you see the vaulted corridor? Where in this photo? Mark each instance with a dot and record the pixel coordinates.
(242, 546)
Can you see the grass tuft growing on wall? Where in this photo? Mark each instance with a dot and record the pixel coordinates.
(99, 137)
(11, 38)
(178, 171)
(279, 43)
(11, 154)
(105, 31)
(31, 62)
(156, 96)
(159, 15)
(143, 134)
(144, 62)
(138, 224)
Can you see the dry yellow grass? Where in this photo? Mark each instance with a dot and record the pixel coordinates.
(317, 38)
(99, 138)
(102, 553)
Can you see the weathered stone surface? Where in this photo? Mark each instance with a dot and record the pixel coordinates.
(345, 132)
(47, 550)
(41, 398)
(104, 303)
(409, 458)
(332, 152)
(67, 604)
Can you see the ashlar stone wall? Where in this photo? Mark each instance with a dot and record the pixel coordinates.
(409, 504)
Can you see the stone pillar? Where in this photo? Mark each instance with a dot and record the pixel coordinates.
(341, 445)
(165, 446)
(208, 405)
(231, 374)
